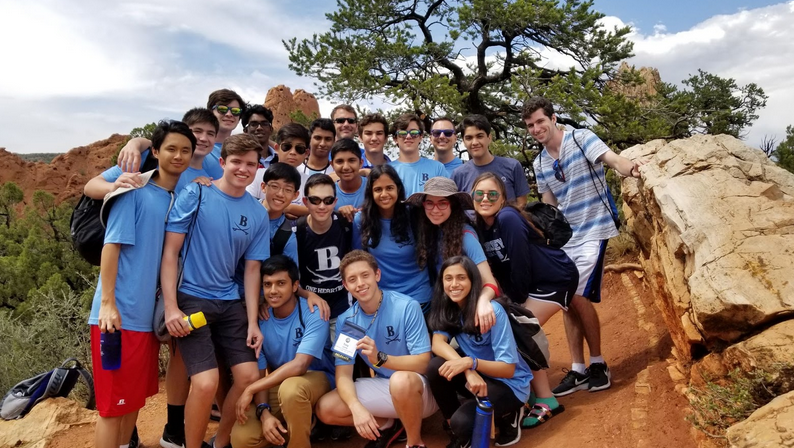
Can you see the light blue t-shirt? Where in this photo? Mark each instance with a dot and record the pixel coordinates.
(137, 222)
(212, 162)
(451, 165)
(415, 174)
(284, 338)
(397, 262)
(471, 248)
(498, 344)
(227, 229)
(114, 172)
(189, 176)
(354, 199)
(398, 328)
(290, 250)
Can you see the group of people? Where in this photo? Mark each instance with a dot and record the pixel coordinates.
(340, 288)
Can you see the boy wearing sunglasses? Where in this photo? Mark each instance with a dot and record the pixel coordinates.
(477, 139)
(413, 169)
(443, 139)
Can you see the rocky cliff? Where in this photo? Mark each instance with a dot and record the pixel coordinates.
(283, 103)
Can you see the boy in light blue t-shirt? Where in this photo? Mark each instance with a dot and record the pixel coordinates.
(346, 159)
(413, 169)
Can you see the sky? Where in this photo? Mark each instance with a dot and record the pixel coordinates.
(77, 72)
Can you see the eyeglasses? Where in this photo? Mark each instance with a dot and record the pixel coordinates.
(479, 195)
(300, 149)
(315, 200)
(447, 132)
(257, 124)
(404, 134)
(441, 205)
(345, 120)
(276, 188)
(223, 109)
(558, 172)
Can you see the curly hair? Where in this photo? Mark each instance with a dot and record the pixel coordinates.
(401, 227)
(449, 233)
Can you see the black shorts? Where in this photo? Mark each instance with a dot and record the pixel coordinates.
(560, 297)
(226, 331)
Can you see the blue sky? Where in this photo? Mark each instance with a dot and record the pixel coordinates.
(76, 72)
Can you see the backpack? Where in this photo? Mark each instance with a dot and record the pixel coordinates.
(549, 220)
(609, 203)
(279, 241)
(57, 382)
(86, 225)
(531, 341)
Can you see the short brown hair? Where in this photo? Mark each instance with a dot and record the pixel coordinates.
(368, 119)
(345, 107)
(535, 103)
(223, 97)
(355, 256)
(239, 144)
(402, 122)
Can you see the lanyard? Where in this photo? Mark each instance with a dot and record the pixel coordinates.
(373, 316)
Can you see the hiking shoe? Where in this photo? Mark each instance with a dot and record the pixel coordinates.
(387, 436)
(134, 439)
(171, 440)
(510, 429)
(572, 382)
(600, 378)
(341, 432)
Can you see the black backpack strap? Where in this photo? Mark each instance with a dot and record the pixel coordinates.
(279, 241)
(150, 163)
(300, 229)
(593, 177)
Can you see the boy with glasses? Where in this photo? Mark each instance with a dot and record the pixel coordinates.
(477, 139)
(570, 175)
(258, 121)
(443, 139)
(413, 169)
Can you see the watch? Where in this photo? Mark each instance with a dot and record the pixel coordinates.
(260, 408)
(382, 358)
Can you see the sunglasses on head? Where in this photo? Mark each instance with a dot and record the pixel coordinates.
(447, 132)
(345, 120)
(404, 134)
(559, 174)
(300, 149)
(479, 195)
(224, 109)
(315, 200)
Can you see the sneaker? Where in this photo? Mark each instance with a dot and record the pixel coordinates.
(387, 436)
(572, 382)
(341, 432)
(600, 378)
(510, 429)
(319, 430)
(170, 440)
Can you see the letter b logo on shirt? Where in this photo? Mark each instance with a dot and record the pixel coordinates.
(328, 258)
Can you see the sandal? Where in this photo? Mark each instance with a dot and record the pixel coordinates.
(539, 414)
(215, 413)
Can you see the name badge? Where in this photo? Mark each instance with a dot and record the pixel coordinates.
(345, 345)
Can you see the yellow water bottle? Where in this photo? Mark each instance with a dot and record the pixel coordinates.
(196, 320)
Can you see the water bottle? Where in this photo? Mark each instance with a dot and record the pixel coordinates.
(110, 350)
(481, 435)
(196, 320)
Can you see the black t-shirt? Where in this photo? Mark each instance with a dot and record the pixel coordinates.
(319, 257)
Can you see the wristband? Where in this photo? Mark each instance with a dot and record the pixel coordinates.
(492, 286)
(260, 408)
(473, 364)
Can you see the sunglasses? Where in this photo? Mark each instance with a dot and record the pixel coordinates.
(442, 205)
(404, 134)
(345, 120)
(315, 200)
(300, 149)
(236, 111)
(558, 172)
(257, 124)
(447, 132)
(479, 195)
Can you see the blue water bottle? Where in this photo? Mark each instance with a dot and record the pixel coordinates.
(481, 436)
(110, 350)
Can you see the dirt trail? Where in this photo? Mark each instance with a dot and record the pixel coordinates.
(640, 410)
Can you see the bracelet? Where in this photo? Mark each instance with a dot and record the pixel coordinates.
(473, 364)
(492, 286)
(260, 408)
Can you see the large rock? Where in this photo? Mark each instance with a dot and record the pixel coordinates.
(46, 419)
(714, 220)
(771, 426)
(282, 102)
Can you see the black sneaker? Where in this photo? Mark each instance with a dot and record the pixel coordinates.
(510, 429)
(319, 430)
(171, 440)
(134, 439)
(387, 436)
(341, 432)
(572, 382)
(600, 378)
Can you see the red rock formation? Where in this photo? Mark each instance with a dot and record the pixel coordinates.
(282, 102)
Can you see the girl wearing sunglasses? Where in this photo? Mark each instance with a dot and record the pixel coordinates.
(540, 277)
(444, 232)
(385, 227)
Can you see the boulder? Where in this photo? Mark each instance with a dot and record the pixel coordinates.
(282, 102)
(714, 220)
(46, 419)
(770, 426)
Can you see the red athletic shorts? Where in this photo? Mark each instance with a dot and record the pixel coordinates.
(119, 392)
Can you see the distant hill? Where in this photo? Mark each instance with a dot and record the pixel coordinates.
(45, 157)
